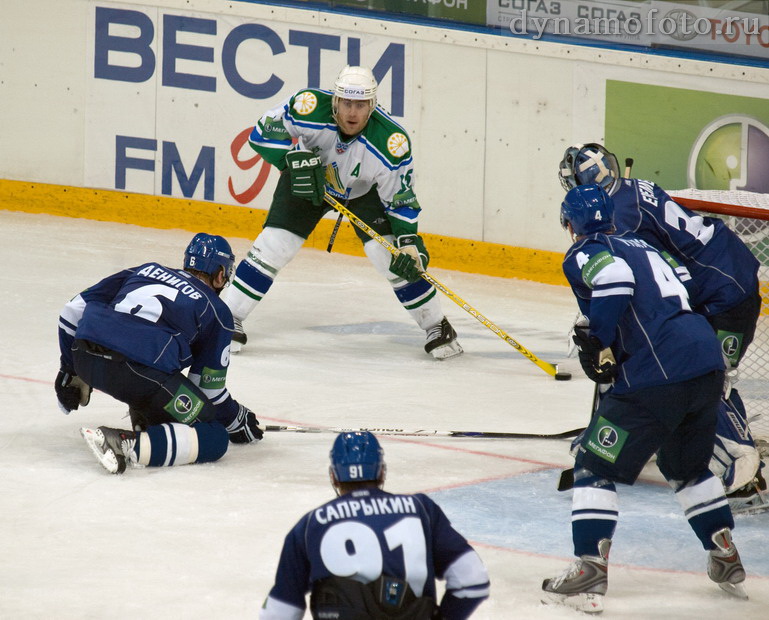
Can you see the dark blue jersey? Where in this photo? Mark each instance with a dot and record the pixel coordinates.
(158, 316)
(637, 305)
(367, 533)
(724, 271)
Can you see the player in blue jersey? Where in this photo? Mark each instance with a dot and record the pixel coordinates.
(342, 143)
(668, 373)
(131, 336)
(373, 554)
(721, 275)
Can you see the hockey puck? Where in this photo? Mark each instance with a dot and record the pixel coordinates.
(562, 376)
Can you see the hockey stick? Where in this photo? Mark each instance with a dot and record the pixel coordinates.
(551, 369)
(334, 232)
(566, 479)
(628, 167)
(423, 433)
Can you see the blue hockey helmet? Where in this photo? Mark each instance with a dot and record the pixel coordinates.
(589, 209)
(357, 457)
(207, 253)
(585, 164)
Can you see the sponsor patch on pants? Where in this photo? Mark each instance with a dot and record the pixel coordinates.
(184, 406)
(731, 345)
(606, 440)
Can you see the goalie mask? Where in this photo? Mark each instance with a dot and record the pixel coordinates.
(357, 457)
(589, 209)
(585, 164)
(356, 83)
(207, 253)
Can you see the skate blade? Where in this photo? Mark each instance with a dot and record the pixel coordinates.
(107, 458)
(235, 347)
(734, 589)
(444, 352)
(588, 603)
(753, 505)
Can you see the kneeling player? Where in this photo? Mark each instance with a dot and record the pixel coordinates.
(131, 336)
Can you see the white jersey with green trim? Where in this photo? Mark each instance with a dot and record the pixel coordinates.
(379, 156)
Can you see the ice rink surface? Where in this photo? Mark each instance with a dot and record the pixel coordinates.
(328, 347)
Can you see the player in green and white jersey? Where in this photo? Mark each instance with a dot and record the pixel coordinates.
(342, 143)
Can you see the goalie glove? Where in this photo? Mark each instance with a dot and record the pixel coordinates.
(245, 427)
(71, 390)
(411, 260)
(735, 458)
(597, 362)
(308, 179)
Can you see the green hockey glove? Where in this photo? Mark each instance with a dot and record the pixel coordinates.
(412, 259)
(308, 179)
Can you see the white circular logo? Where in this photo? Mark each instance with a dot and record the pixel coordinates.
(305, 103)
(225, 357)
(398, 144)
(183, 404)
(607, 436)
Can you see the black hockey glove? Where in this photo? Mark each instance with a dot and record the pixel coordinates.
(71, 390)
(245, 427)
(308, 178)
(598, 368)
(412, 259)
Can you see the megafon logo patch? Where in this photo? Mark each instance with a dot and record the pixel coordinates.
(607, 436)
(183, 404)
(731, 153)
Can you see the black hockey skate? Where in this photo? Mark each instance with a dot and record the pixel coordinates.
(239, 337)
(111, 446)
(442, 341)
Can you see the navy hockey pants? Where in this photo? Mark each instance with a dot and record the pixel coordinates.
(153, 397)
(677, 421)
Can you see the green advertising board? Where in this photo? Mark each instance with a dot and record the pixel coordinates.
(682, 138)
(462, 11)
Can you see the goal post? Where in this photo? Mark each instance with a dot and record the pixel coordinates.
(747, 214)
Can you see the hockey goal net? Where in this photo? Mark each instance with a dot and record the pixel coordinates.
(747, 214)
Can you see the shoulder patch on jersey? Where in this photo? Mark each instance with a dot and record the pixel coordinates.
(398, 144)
(305, 103)
(593, 265)
(388, 138)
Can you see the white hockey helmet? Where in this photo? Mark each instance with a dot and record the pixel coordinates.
(357, 83)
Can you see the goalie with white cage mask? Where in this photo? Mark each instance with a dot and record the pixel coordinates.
(719, 271)
(587, 164)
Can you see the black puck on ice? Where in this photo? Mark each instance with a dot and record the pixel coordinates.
(562, 376)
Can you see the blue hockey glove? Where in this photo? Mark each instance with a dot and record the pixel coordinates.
(308, 179)
(412, 259)
(245, 427)
(71, 390)
(598, 366)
